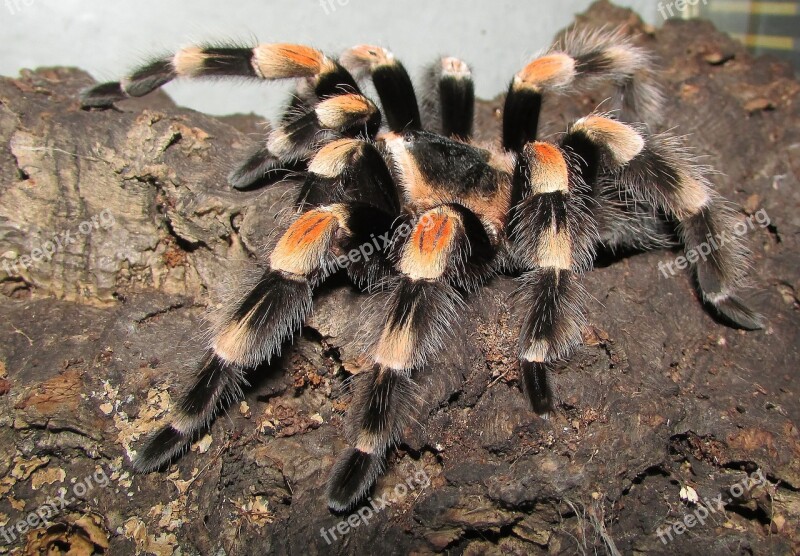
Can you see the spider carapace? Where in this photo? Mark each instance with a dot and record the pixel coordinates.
(456, 212)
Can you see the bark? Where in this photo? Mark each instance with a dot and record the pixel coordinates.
(661, 403)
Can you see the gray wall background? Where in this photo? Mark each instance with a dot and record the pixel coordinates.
(107, 38)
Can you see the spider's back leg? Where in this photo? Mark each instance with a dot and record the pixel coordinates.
(668, 178)
(585, 61)
(265, 61)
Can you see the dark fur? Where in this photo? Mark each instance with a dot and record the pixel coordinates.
(351, 477)
(553, 302)
(455, 167)
(161, 448)
(214, 381)
(536, 385)
(366, 179)
(383, 403)
(281, 305)
(566, 211)
(660, 174)
(448, 103)
(457, 99)
(397, 96)
(520, 117)
(261, 168)
(226, 61)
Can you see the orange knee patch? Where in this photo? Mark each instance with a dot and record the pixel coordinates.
(309, 227)
(301, 249)
(554, 70)
(427, 250)
(548, 168)
(277, 61)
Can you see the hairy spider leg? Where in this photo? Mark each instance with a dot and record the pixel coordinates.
(446, 248)
(319, 78)
(552, 240)
(391, 81)
(271, 310)
(448, 100)
(585, 61)
(667, 176)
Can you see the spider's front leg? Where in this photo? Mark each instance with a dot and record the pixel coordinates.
(446, 249)
(349, 200)
(554, 233)
(269, 61)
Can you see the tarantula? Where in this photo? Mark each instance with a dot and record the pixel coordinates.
(449, 213)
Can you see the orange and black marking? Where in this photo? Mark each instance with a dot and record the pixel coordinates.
(431, 244)
(281, 60)
(301, 250)
(547, 166)
(551, 71)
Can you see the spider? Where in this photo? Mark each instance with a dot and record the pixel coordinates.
(442, 214)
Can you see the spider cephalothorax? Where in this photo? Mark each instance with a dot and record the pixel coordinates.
(451, 213)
